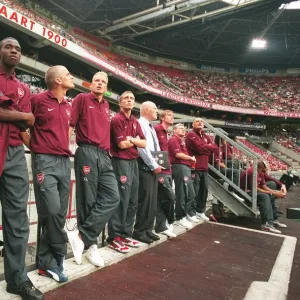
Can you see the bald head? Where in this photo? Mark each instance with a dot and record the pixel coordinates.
(148, 110)
(58, 76)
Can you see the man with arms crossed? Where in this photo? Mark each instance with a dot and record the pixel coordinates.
(165, 214)
(126, 136)
(199, 144)
(148, 169)
(97, 193)
(15, 113)
(51, 169)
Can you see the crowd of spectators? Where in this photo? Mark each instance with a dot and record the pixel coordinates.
(218, 88)
(289, 137)
(224, 89)
(274, 163)
(288, 142)
(275, 93)
(282, 92)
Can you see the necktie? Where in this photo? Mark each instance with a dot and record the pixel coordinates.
(153, 137)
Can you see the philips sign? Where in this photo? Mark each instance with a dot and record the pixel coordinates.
(257, 70)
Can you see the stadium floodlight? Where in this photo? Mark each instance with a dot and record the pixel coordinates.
(259, 44)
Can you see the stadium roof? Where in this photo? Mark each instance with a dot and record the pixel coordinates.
(208, 31)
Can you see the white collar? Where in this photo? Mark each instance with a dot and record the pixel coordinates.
(145, 120)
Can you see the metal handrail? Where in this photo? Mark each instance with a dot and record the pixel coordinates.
(250, 154)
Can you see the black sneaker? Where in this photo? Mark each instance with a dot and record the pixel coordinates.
(26, 290)
(153, 236)
(144, 238)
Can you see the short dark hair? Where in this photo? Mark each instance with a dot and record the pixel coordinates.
(7, 38)
(126, 92)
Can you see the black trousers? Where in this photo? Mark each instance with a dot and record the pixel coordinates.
(51, 180)
(165, 202)
(14, 190)
(122, 220)
(184, 191)
(147, 201)
(97, 195)
(201, 190)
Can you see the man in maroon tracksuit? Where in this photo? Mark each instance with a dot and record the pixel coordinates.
(51, 169)
(200, 145)
(15, 114)
(181, 173)
(97, 194)
(126, 136)
(165, 195)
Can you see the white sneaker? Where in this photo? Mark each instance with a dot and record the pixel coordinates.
(237, 196)
(169, 233)
(269, 228)
(192, 219)
(94, 257)
(185, 223)
(278, 224)
(202, 216)
(77, 246)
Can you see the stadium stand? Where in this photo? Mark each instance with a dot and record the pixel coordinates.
(274, 93)
(289, 143)
(281, 91)
(224, 89)
(288, 138)
(274, 163)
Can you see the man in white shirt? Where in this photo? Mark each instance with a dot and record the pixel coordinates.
(148, 169)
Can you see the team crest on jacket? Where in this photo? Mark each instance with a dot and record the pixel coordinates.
(68, 112)
(123, 179)
(186, 179)
(21, 93)
(86, 170)
(40, 178)
(161, 180)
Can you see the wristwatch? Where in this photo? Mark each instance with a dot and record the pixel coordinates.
(132, 139)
